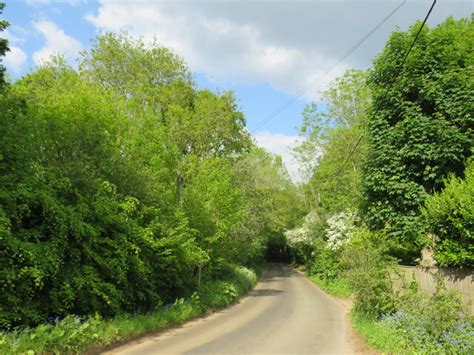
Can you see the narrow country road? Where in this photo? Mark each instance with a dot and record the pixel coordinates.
(284, 314)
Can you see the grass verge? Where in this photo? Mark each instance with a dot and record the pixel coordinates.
(336, 287)
(378, 335)
(93, 334)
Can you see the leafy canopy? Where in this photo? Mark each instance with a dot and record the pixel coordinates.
(420, 126)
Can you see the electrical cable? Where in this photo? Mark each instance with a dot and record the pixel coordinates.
(344, 56)
(398, 72)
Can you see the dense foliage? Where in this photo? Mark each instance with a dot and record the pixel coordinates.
(367, 267)
(390, 171)
(450, 217)
(120, 179)
(124, 187)
(390, 137)
(334, 145)
(74, 334)
(434, 324)
(420, 127)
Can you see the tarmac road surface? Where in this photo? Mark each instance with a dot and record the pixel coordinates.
(284, 314)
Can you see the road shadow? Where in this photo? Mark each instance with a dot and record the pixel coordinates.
(265, 292)
(276, 271)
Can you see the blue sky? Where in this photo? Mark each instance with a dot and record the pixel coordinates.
(270, 53)
(258, 100)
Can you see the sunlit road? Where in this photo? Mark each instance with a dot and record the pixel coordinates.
(284, 314)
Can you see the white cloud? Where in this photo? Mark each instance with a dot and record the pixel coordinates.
(281, 144)
(15, 35)
(56, 41)
(15, 59)
(217, 44)
(290, 44)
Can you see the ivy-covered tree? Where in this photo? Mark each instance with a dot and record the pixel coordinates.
(420, 127)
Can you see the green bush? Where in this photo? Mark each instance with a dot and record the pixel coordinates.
(62, 336)
(91, 217)
(75, 334)
(77, 234)
(368, 270)
(420, 126)
(217, 293)
(449, 215)
(326, 263)
(432, 324)
(420, 324)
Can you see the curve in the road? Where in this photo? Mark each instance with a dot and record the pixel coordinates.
(284, 314)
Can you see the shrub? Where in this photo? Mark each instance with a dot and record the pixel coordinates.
(216, 293)
(367, 269)
(433, 324)
(301, 239)
(66, 335)
(74, 334)
(326, 263)
(327, 246)
(340, 228)
(450, 216)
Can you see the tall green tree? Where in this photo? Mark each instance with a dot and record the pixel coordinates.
(74, 238)
(334, 144)
(273, 203)
(156, 81)
(421, 126)
(152, 77)
(89, 216)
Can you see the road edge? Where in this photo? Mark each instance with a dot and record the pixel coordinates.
(355, 340)
(110, 348)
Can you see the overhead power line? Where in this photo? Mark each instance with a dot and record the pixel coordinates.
(347, 53)
(397, 73)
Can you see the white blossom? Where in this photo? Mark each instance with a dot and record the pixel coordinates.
(340, 228)
(301, 236)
